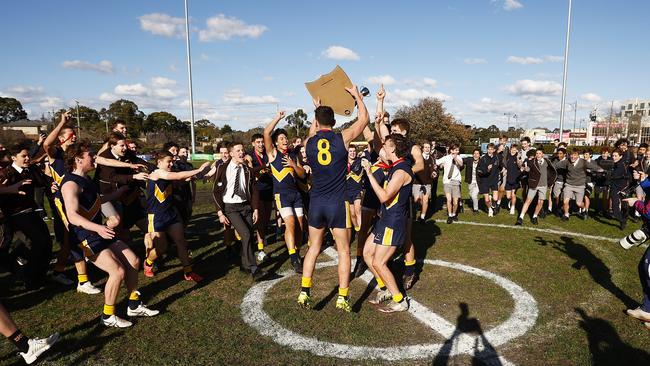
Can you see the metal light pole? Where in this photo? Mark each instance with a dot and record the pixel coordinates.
(78, 121)
(508, 128)
(566, 64)
(189, 77)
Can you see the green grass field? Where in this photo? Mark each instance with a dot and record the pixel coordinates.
(581, 287)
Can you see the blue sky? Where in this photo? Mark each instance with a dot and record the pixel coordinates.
(484, 58)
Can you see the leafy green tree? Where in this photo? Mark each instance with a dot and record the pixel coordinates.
(297, 123)
(11, 110)
(226, 129)
(430, 121)
(127, 111)
(164, 121)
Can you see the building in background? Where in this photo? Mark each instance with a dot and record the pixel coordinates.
(635, 106)
(31, 129)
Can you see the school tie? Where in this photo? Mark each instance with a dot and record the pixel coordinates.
(238, 189)
(451, 170)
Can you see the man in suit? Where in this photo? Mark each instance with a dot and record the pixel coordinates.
(237, 201)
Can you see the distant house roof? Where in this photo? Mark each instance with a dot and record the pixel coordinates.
(26, 123)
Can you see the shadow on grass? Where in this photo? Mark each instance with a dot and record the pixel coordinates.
(483, 352)
(606, 346)
(584, 258)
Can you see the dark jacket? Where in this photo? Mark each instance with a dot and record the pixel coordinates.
(482, 172)
(109, 178)
(468, 166)
(220, 184)
(534, 173)
(14, 203)
(620, 175)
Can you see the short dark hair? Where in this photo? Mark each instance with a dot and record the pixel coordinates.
(562, 150)
(117, 122)
(525, 138)
(276, 134)
(163, 154)
(621, 141)
(402, 123)
(490, 145)
(169, 144)
(575, 151)
(476, 149)
(73, 152)
(256, 136)
(233, 144)
(604, 149)
(402, 147)
(114, 137)
(588, 151)
(225, 144)
(325, 116)
(16, 148)
(453, 146)
(386, 114)
(618, 151)
(514, 145)
(643, 144)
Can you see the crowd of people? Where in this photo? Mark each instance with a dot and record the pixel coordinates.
(327, 187)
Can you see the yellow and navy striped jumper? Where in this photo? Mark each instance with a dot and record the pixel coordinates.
(391, 227)
(58, 172)
(160, 210)
(284, 180)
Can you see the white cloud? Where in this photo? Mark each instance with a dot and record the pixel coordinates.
(50, 103)
(591, 97)
(163, 25)
(534, 87)
(24, 93)
(173, 68)
(430, 82)
(103, 66)
(549, 58)
(268, 78)
(108, 97)
(223, 28)
(524, 60)
(475, 61)
(512, 5)
(401, 97)
(235, 96)
(131, 89)
(382, 79)
(340, 53)
(164, 93)
(162, 82)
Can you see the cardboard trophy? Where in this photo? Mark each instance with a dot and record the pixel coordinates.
(330, 88)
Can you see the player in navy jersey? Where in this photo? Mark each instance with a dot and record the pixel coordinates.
(55, 145)
(97, 242)
(285, 170)
(258, 160)
(161, 216)
(353, 186)
(390, 231)
(327, 155)
(402, 126)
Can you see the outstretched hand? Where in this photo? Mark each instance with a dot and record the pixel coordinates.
(381, 93)
(354, 91)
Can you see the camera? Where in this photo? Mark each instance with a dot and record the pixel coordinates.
(364, 91)
(635, 239)
(627, 192)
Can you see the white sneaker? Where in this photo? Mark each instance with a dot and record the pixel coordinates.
(62, 279)
(141, 310)
(490, 212)
(261, 256)
(37, 346)
(115, 321)
(392, 306)
(382, 295)
(512, 210)
(88, 288)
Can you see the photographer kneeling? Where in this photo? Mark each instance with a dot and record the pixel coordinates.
(637, 238)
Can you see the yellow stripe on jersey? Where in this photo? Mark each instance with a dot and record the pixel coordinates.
(356, 177)
(86, 249)
(278, 203)
(393, 202)
(160, 195)
(348, 219)
(90, 214)
(59, 208)
(388, 237)
(56, 177)
(150, 227)
(280, 175)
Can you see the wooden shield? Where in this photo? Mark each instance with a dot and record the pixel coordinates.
(330, 88)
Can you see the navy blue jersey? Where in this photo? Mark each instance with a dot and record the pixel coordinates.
(370, 199)
(159, 196)
(283, 176)
(89, 206)
(397, 208)
(264, 182)
(57, 167)
(355, 175)
(328, 158)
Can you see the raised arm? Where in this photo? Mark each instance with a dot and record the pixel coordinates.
(312, 128)
(181, 175)
(394, 185)
(116, 163)
(49, 145)
(418, 163)
(357, 127)
(268, 130)
(381, 94)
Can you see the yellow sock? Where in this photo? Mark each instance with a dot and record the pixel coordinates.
(237, 235)
(409, 263)
(380, 283)
(260, 245)
(109, 309)
(82, 278)
(398, 297)
(343, 291)
(187, 269)
(149, 262)
(306, 282)
(357, 228)
(292, 251)
(134, 296)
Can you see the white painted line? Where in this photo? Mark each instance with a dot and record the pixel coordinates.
(548, 231)
(520, 321)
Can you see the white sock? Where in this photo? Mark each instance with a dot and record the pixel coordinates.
(451, 215)
(566, 214)
(534, 215)
(522, 216)
(422, 216)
